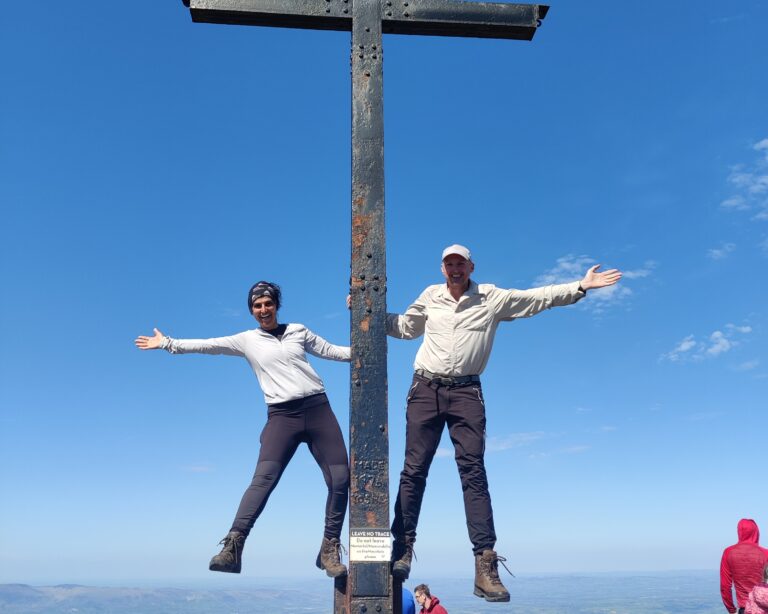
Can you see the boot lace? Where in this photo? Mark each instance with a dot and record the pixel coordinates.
(230, 547)
(407, 552)
(335, 549)
(490, 567)
(410, 552)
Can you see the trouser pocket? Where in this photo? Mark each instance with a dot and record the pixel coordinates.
(411, 392)
(479, 392)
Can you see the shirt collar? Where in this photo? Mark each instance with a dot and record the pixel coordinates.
(470, 291)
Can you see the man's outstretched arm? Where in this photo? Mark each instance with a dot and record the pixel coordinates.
(526, 303)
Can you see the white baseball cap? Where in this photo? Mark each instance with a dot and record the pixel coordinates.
(458, 250)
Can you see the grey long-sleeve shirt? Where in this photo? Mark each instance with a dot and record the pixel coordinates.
(280, 365)
(458, 335)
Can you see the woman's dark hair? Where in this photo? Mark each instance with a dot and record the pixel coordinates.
(264, 288)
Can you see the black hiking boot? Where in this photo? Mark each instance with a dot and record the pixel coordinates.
(402, 555)
(229, 559)
(329, 558)
(487, 582)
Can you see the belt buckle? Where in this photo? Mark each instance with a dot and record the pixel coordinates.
(445, 381)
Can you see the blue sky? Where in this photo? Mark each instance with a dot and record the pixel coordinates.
(152, 169)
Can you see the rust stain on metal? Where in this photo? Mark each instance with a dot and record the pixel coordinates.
(370, 518)
(361, 226)
(365, 324)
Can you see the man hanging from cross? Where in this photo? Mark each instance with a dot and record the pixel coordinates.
(458, 320)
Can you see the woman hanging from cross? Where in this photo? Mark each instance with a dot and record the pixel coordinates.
(297, 411)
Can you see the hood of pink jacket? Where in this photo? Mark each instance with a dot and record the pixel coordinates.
(748, 531)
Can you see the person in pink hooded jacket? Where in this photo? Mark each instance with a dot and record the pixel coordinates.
(742, 566)
(757, 602)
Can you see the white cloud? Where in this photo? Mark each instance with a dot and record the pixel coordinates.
(705, 416)
(717, 343)
(718, 253)
(643, 271)
(739, 329)
(499, 444)
(568, 268)
(230, 312)
(603, 298)
(684, 346)
(749, 365)
(197, 469)
(515, 440)
(729, 19)
(750, 184)
(576, 449)
(737, 203)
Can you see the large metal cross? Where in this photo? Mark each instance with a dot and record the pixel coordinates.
(369, 585)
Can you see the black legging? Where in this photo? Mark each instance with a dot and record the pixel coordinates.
(309, 420)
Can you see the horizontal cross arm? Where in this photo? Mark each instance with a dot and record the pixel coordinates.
(307, 14)
(426, 17)
(458, 18)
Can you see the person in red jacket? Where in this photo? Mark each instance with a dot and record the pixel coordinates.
(429, 603)
(742, 566)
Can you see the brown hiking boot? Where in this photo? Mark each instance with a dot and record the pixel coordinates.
(229, 559)
(402, 554)
(487, 582)
(329, 558)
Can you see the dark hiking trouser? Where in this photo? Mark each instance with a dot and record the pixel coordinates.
(430, 407)
(309, 420)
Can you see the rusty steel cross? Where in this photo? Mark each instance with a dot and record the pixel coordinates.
(369, 588)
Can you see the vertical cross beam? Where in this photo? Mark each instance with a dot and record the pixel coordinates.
(369, 588)
(369, 584)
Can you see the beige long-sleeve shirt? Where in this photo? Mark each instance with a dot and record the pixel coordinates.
(458, 335)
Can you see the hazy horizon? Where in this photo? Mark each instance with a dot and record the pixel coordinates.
(696, 592)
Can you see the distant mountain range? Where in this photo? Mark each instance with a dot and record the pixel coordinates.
(76, 599)
(639, 593)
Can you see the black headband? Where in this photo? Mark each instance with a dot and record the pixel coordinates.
(264, 288)
(260, 291)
